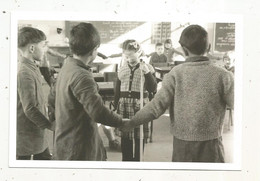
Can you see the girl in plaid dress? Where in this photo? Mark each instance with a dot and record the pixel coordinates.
(127, 96)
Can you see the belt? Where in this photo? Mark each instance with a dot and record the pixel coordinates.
(132, 94)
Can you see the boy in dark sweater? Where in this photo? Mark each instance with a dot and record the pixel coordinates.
(158, 56)
(197, 94)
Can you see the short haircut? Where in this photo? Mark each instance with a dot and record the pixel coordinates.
(131, 45)
(158, 44)
(195, 39)
(27, 35)
(168, 41)
(84, 37)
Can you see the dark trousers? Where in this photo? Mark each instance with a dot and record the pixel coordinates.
(45, 155)
(211, 151)
(130, 149)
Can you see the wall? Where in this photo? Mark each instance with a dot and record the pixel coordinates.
(50, 29)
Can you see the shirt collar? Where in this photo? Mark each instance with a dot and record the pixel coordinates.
(29, 63)
(197, 59)
(79, 63)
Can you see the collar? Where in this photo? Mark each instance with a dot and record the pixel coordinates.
(135, 66)
(29, 63)
(197, 59)
(78, 62)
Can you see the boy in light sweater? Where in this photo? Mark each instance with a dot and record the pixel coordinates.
(197, 94)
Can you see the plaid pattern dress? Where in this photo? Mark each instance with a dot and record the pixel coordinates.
(128, 107)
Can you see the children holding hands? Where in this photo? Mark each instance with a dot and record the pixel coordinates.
(197, 94)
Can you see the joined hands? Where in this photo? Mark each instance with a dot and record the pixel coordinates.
(127, 125)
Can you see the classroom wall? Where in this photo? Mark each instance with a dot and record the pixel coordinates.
(50, 29)
(142, 34)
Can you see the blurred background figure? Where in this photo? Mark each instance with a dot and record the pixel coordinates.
(229, 61)
(169, 51)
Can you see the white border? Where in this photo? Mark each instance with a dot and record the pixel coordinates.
(237, 19)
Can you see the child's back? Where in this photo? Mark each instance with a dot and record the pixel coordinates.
(202, 91)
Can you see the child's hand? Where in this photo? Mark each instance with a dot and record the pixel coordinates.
(127, 125)
(144, 68)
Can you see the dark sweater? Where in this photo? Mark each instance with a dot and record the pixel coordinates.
(196, 93)
(78, 109)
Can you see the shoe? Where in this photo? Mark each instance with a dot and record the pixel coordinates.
(115, 145)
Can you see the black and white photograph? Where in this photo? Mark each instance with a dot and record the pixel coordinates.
(124, 93)
(129, 90)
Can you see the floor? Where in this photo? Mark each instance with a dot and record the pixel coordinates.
(160, 150)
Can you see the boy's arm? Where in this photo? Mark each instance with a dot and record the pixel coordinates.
(117, 93)
(85, 90)
(150, 80)
(27, 94)
(228, 82)
(115, 55)
(177, 52)
(162, 100)
(101, 55)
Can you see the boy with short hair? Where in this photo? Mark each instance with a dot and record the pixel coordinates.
(197, 94)
(31, 118)
(158, 56)
(78, 105)
(169, 51)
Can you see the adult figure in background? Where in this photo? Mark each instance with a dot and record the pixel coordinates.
(78, 106)
(31, 119)
(169, 51)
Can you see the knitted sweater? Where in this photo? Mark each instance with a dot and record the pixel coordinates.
(196, 93)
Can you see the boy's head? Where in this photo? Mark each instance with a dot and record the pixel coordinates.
(32, 42)
(194, 39)
(167, 43)
(159, 48)
(229, 59)
(131, 51)
(84, 40)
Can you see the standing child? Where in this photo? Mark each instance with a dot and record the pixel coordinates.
(32, 121)
(197, 94)
(127, 96)
(169, 50)
(158, 56)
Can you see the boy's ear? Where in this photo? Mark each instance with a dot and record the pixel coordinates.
(31, 48)
(185, 50)
(91, 53)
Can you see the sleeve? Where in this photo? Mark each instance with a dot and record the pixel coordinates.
(85, 90)
(150, 82)
(51, 102)
(115, 55)
(102, 55)
(27, 94)
(229, 89)
(162, 100)
(117, 93)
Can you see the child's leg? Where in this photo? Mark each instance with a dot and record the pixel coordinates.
(211, 151)
(127, 149)
(137, 149)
